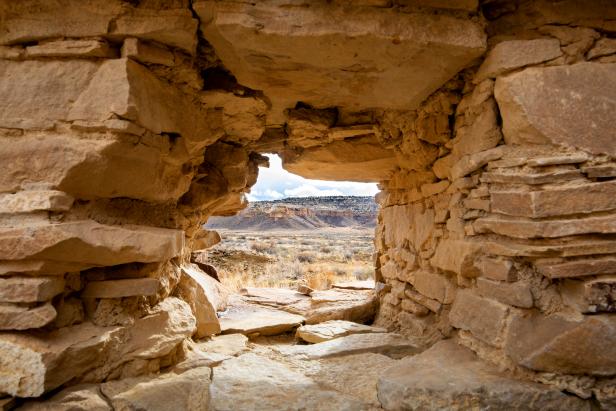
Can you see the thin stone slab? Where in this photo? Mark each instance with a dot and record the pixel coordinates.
(250, 319)
(121, 288)
(450, 377)
(329, 330)
(90, 243)
(566, 200)
(355, 285)
(16, 317)
(30, 289)
(392, 345)
(85, 397)
(273, 297)
(230, 344)
(576, 268)
(251, 382)
(170, 391)
(527, 228)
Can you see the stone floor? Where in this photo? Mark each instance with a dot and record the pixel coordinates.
(266, 360)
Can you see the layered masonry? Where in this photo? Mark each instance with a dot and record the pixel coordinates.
(487, 125)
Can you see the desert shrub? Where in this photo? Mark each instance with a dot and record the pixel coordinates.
(306, 257)
(325, 249)
(320, 280)
(363, 273)
(268, 247)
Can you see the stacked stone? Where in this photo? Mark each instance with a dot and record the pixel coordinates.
(105, 184)
(506, 240)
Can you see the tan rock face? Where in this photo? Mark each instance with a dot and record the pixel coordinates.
(565, 345)
(448, 376)
(88, 243)
(372, 41)
(358, 159)
(546, 106)
(124, 126)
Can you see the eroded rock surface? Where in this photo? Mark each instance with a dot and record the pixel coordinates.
(124, 126)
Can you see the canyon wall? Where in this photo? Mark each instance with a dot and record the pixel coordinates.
(125, 125)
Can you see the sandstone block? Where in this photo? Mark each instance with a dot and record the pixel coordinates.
(478, 132)
(607, 170)
(603, 47)
(392, 345)
(25, 86)
(169, 24)
(251, 320)
(142, 97)
(16, 317)
(90, 169)
(237, 382)
(548, 177)
(415, 308)
(359, 159)
(552, 105)
(355, 285)
(147, 53)
(30, 289)
(457, 256)
(572, 248)
(496, 269)
(577, 268)
(90, 244)
(429, 303)
(527, 228)
(434, 286)
(329, 330)
(29, 201)
(428, 190)
(582, 345)
(473, 162)
(581, 199)
(486, 319)
(450, 377)
(121, 288)
(574, 158)
(203, 294)
(307, 70)
(77, 398)
(517, 294)
(45, 361)
(188, 390)
(72, 48)
(513, 54)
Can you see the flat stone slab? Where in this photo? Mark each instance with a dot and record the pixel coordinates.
(328, 330)
(448, 376)
(355, 285)
(392, 345)
(272, 296)
(230, 344)
(252, 382)
(250, 319)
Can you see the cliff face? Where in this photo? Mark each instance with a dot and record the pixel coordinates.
(302, 214)
(124, 126)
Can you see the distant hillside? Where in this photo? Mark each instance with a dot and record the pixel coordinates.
(302, 213)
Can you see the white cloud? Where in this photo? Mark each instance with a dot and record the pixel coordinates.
(274, 181)
(307, 190)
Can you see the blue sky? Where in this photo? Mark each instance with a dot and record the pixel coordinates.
(275, 183)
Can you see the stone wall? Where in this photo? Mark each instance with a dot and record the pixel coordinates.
(504, 240)
(123, 131)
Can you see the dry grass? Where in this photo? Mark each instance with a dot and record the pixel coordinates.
(286, 259)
